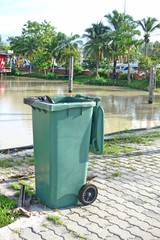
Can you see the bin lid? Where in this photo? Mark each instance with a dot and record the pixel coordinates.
(58, 103)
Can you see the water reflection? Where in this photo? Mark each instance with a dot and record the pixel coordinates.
(124, 108)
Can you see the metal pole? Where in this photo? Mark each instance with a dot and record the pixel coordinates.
(151, 85)
(70, 83)
(124, 6)
(53, 62)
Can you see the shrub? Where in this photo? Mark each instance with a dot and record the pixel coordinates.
(50, 75)
(124, 76)
(78, 68)
(103, 73)
(15, 71)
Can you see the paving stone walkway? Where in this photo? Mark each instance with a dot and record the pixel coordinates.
(127, 206)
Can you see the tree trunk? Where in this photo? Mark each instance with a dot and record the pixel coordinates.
(30, 68)
(53, 61)
(97, 67)
(114, 67)
(145, 49)
(129, 72)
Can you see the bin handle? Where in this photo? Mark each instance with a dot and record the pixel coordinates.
(94, 145)
(96, 99)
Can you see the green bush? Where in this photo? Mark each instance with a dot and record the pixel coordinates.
(15, 71)
(158, 76)
(103, 73)
(78, 68)
(124, 76)
(50, 75)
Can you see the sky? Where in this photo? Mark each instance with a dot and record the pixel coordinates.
(70, 16)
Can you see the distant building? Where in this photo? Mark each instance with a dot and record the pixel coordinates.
(5, 61)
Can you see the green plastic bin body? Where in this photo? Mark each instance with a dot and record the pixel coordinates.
(61, 138)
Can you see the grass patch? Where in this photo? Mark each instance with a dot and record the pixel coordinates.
(8, 163)
(92, 80)
(55, 219)
(30, 161)
(93, 161)
(6, 215)
(115, 147)
(29, 187)
(117, 174)
(118, 144)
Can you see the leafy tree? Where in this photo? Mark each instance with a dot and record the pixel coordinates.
(1, 43)
(144, 63)
(129, 42)
(115, 22)
(41, 39)
(148, 26)
(95, 44)
(122, 35)
(34, 40)
(16, 43)
(53, 48)
(68, 46)
(37, 37)
(152, 58)
(153, 50)
(3, 46)
(42, 60)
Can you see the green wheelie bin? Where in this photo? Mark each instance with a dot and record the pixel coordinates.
(65, 129)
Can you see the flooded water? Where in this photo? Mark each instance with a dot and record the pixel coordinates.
(124, 108)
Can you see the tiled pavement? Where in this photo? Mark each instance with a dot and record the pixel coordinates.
(127, 206)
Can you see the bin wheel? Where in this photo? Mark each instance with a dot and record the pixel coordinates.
(87, 194)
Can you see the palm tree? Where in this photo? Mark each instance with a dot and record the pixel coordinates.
(148, 25)
(95, 44)
(29, 49)
(122, 34)
(68, 46)
(129, 41)
(120, 26)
